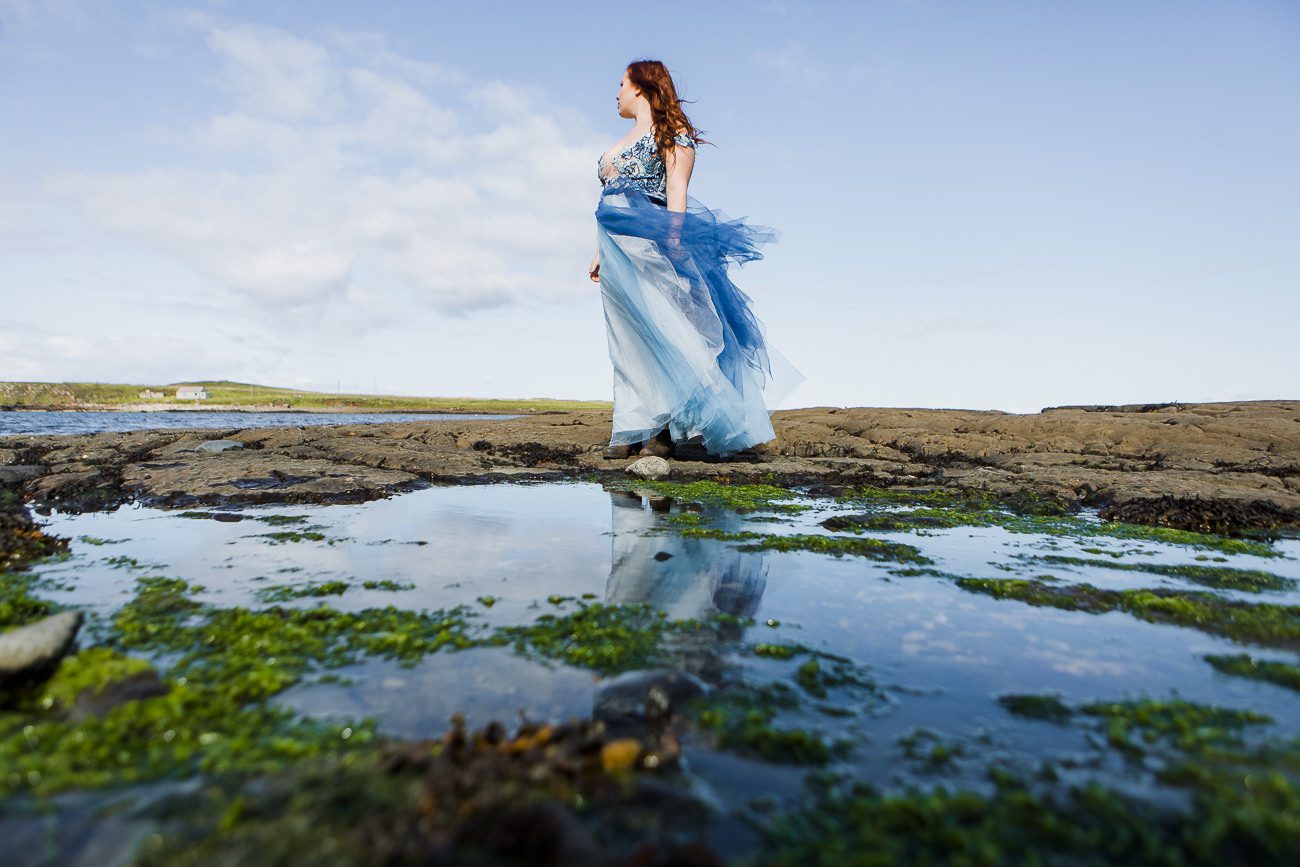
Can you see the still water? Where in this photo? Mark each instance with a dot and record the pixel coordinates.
(937, 655)
(78, 422)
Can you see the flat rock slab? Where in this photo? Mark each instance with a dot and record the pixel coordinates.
(218, 445)
(258, 476)
(1196, 466)
(15, 473)
(30, 652)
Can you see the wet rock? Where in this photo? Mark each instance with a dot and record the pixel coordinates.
(543, 833)
(218, 445)
(21, 472)
(1238, 462)
(256, 476)
(30, 653)
(1202, 515)
(632, 700)
(75, 489)
(21, 540)
(99, 700)
(649, 468)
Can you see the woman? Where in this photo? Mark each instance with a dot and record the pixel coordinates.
(690, 359)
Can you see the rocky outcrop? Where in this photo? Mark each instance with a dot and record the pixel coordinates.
(1217, 466)
(21, 540)
(29, 653)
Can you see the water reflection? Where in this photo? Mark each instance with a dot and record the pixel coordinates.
(685, 577)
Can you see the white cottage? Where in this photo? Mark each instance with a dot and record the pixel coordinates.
(192, 392)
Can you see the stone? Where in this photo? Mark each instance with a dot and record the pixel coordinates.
(649, 468)
(620, 755)
(30, 653)
(21, 472)
(98, 701)
(631, 700)
(218, 445)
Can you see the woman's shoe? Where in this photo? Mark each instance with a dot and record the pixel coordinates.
(656, 448)
(614, 453)
(660, 445)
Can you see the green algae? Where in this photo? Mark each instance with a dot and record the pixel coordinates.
(1049, 708)
(224, 664)
(280, 520)
(280, 537)
(738, 498)
(257, 653)
(1259, 623)
(1021, 514)
(859, 826)
(1188, 726)
(606, 638)
(836, 546)
(1187, 538)
(18, 604)
(1244, 800)
(121, 561)
(1219, 577)
(90, 671)
(387, 584)
(779, 651)
(1285, 674)
(817, 679)
(1023, 502)
(188, 730)
(928, 747)
(916, 519)
(741, 719)
(96, 541)
(313, 589)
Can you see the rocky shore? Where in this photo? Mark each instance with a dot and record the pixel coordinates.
(196, 406)
(1221, 467)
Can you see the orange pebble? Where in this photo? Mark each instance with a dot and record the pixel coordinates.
(620, 755)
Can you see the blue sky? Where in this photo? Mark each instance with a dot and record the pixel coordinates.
(993, 205)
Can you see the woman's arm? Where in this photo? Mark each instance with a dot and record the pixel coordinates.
(678, 164)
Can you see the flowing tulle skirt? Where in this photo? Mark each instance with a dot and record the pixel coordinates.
(688, 353)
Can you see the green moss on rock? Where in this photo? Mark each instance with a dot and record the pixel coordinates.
(836, 546)
(1259, 623)
(1042, 707)
(1218, 577)
(1286, 674)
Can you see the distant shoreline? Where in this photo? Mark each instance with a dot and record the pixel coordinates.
(255, 408)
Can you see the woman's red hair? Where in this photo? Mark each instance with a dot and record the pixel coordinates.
(651, 77)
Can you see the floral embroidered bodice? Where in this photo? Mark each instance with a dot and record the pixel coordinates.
(639, 165)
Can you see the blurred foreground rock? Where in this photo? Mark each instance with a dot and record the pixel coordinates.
(29, 653)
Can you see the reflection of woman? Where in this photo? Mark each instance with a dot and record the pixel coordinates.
(684, 577)
(690, 358)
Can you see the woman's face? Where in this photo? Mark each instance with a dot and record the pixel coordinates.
(627, 97)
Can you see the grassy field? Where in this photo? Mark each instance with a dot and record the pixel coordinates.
(101, 395)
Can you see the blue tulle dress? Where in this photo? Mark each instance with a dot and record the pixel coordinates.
(688, 353)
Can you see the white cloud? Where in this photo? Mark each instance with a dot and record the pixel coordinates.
(924, 326)
(34, 353)
(276, 73)
(338, 179)
(794, 64)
